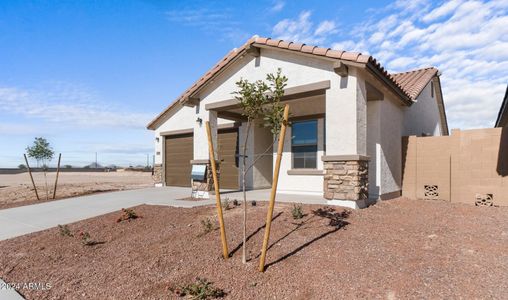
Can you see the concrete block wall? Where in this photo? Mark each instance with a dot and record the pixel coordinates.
(469, 166)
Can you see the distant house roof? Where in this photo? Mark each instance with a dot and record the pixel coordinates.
(413, 82)
(407, 85)
(502, 116)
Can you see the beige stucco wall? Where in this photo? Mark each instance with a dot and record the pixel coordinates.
(180, 118)
(384, 132)
(423, 117)
(461, 166)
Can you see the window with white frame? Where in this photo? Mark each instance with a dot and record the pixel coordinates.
(304, 139)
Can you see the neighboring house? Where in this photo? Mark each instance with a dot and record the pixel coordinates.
(348, 116)
(502, 117)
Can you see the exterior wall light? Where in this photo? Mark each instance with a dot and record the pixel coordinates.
(200, 121)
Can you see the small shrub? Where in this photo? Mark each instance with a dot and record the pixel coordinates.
(236, 203)
(86, 239)
(64, 230)
(202, 289)
(253, 203)
(297, 211)
(127, 215)
(225, 204)
(337, 219)
(207, 225)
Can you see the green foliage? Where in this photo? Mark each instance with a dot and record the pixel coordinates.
(297, 211)
(202, 289)
(225, 204)
(21, 167)
(67, 166)
(86, 239)
(207, 225)
(127, 215)
(40, 150)
(260, 100)
(65, 231)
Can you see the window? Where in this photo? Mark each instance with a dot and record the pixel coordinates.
(304, 144)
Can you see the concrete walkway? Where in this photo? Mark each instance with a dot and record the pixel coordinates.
(31, 218)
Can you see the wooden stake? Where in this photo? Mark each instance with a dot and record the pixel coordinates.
(225, 251)
(57, 172)
(273, 193)
(31, 177)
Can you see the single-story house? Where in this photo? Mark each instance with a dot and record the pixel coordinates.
(502, 116)
(348, 116)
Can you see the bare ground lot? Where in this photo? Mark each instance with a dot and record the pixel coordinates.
(17, 189)
(397, 249)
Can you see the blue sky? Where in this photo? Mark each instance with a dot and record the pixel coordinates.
(89, 75)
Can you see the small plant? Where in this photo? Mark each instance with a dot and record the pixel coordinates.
(207, 225)
(253, 203)
(202, 289)
(225, 204)
(64, 230)
(297, 211)
(127, 215)
(86, 239)
(43, 153)
(236, 203)
(337, 219)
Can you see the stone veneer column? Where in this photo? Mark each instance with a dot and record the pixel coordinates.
(346, 180)
(157, 174)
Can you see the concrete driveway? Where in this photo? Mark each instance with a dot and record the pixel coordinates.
(31, 218)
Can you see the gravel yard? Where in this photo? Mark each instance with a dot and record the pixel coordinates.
(397, 249)
(17, 189)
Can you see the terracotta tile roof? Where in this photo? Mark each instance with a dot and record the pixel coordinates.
(413, 82)
(406, 91)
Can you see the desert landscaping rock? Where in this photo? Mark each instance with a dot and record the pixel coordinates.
(397, 249)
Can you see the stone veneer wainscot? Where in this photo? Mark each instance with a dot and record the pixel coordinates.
(346, 177)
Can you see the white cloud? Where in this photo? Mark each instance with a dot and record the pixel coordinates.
(466, 39)
(68, 104)
(325, 28)
(278, 6)
(212, 19)
(303, 30)
(441, 11)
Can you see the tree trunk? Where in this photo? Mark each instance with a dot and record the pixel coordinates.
(46, 180)
(244, 173)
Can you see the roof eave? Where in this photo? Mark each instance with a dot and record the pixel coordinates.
(503, 110)
(370, 66)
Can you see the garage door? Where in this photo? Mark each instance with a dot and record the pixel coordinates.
(178, 154)
(228, 150)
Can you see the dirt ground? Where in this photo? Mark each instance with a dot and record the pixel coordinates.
(17, 189)
(397, 249)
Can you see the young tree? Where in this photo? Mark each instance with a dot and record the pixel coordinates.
(43, 153)
(260, 102)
